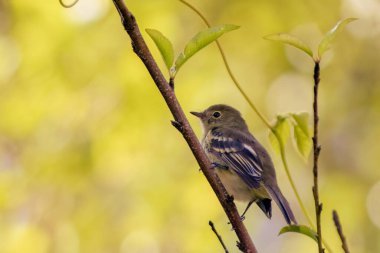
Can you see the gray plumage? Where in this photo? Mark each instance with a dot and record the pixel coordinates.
(241, 162)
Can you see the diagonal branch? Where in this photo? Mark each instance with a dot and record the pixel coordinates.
(140, 48)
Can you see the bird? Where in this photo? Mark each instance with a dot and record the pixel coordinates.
(240, 161)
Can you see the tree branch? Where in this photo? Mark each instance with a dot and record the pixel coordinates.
(317, 150)
(140, 48)
(340, 231)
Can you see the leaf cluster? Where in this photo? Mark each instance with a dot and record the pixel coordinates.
(323, 46)
(299, 123)
(194, 45)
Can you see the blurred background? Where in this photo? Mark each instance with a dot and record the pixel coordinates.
(89, 161)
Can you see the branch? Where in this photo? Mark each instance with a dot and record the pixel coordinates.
(218, 236)
(317, 150)
(340, 231)
(140, 48)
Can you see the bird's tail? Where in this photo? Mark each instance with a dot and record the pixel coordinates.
(265, 205)
(282, 203)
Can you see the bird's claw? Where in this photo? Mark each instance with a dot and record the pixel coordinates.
(242, 218)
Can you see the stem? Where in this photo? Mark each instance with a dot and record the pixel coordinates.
(68, 5)
(285, 164)
(340, 231)
(182, 124)
(235, 81)
(317, 150)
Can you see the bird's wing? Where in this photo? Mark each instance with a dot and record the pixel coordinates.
(237, 151)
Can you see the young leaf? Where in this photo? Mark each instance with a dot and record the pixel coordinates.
(201, 40)
(302, 229)
(282, 129)
(274, 142)
(164, 46)
(304, 143)
(330, 35)
(302, 120)
(302, 133)
(291, 40)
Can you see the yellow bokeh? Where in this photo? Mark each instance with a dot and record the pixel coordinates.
(89, 161)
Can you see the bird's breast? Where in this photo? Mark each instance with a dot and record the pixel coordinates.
(234, 185)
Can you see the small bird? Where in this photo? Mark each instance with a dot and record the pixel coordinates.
(241, 162)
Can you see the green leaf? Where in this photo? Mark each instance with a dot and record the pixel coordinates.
(304, 143)
(164, 46)
(302, 229)
(201, 40)
(290, 40)
(274, 142)
(282, 130)
(330, 35)
(302, 120)
(302, 133)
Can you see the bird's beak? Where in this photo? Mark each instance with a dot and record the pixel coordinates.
(198, 114)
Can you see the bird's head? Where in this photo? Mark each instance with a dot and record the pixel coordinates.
(220, 116)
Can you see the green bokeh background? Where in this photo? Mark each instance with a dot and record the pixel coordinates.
(90, 163)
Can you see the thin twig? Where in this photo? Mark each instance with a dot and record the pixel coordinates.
(317, 150)
(340, 231)
(219, 236)
(68, 5)
(140, 48)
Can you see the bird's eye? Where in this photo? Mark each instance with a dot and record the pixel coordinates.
(216, 114)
